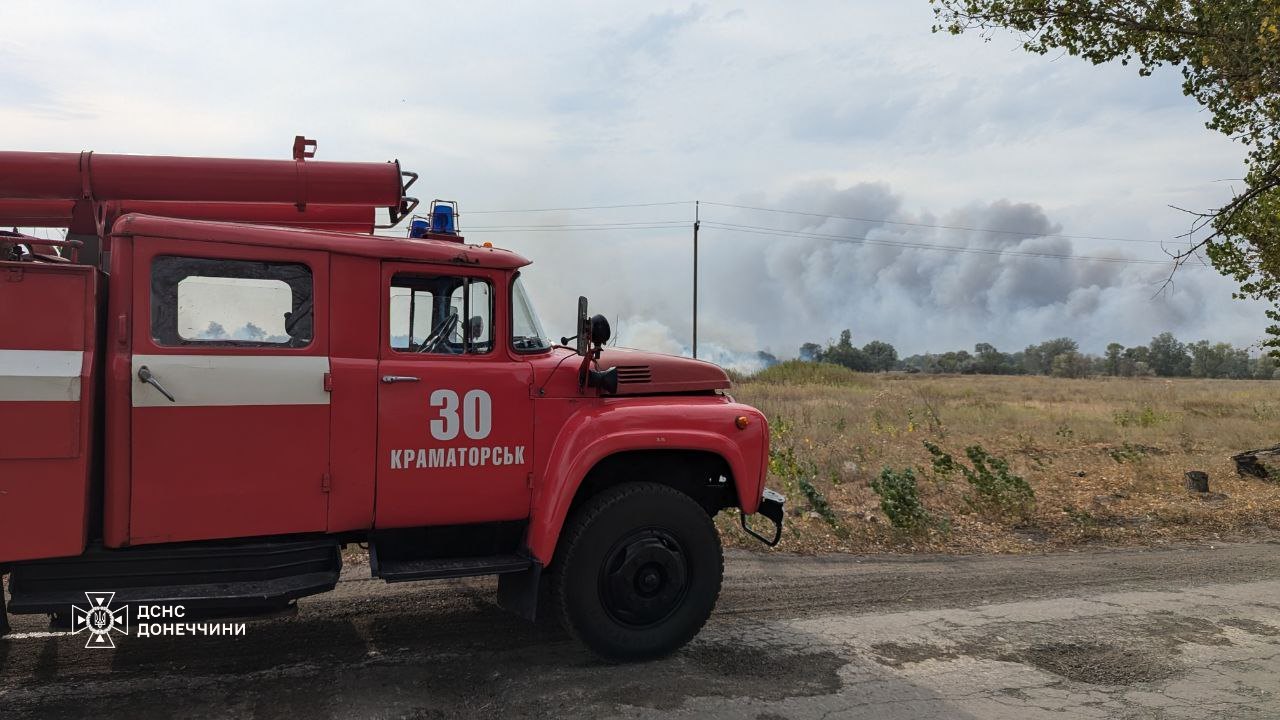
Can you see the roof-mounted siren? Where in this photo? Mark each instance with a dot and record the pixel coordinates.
(444, 217)
(419, 227)
(441, 222)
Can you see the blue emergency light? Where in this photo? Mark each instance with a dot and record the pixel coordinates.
(419, 227)
(442, 219)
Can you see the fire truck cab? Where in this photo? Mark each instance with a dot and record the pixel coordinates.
(222, 376)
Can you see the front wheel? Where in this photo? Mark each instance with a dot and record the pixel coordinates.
(637, 572)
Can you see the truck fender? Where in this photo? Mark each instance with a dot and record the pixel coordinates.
(576, 455)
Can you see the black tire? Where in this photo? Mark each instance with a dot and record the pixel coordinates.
(637, 572)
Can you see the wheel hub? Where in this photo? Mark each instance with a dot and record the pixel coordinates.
(644, 578)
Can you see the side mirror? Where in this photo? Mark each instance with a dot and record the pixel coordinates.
(584, 327)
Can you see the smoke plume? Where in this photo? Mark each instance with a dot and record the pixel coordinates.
(775, 292)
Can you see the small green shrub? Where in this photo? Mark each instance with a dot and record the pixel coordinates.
(819, 503)
(900, 499)
(935, 421)
(943, 464)
(996, 490)
(1079, 516)
(779, 428)
(1146, 417)
(1127, 453)
(800, 474)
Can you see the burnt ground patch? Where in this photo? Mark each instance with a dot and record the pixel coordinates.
(1252, 627)
(898, 654)
(1105, 651)
(1096, 663)
(737, 670)
(552, 680)
(1173, 631)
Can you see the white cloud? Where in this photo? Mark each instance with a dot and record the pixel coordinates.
(810, 105)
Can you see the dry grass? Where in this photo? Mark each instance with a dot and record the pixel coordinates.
(1105, 457)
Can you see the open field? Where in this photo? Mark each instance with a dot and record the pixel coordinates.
(1105, 457)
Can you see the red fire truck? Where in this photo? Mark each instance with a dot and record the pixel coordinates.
(222, 375)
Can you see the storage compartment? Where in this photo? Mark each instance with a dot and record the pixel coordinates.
(47, 332)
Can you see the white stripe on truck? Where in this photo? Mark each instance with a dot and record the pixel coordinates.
(209, 380)
(40, 375)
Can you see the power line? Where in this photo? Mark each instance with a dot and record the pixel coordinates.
(802, 234)
(860, 240)
(590, 207)
(883, 221)
(557, 228)
(829, 216)
(784, 232)
(574, 226)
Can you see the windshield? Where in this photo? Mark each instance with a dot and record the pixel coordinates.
(527, 334)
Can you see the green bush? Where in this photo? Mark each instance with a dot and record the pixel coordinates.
(793, 472)
(1127, 453)
(900, 499)
(1145, 418)
(996, 490)
(801, 372)
(1079, 516)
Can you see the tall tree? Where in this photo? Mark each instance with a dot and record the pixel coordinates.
(1038, 359)
(1070, 364)
(1114, 351)
(1264, 368)
(1168, 357)
(990, 361)
(880, 356)
(844, 353)
(1229, 55)
(811, 351)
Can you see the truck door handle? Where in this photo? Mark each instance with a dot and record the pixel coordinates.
(398, 379)
(145, 376)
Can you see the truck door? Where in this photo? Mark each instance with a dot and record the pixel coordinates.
(455, 416)
(230, 416)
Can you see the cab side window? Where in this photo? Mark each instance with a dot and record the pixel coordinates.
(231, 303)
(441, 314)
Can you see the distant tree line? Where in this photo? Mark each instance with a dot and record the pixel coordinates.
(875, 356)
(1164, 356)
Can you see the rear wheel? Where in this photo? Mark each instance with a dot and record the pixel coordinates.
(637, 572)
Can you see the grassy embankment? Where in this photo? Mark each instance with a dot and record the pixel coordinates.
(1105, 457)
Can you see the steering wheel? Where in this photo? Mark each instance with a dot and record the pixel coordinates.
(440, 332)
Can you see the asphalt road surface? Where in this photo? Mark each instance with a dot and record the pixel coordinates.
(1191, 632)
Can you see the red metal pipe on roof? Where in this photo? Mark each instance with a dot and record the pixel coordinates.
(339, 218)
(75, 176)
(74, 190)
(22, 212)
(58, 213)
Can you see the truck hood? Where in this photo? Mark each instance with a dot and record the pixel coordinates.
(642, 373)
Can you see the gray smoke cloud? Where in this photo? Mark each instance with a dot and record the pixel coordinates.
(772, 293)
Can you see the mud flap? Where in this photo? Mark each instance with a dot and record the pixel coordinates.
(518, 591)
(4, 611)
(772, 505)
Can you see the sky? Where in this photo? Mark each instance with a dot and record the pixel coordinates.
(853, 109)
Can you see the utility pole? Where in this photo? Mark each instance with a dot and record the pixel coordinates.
(696, 222)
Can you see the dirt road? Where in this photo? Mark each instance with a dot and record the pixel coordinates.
(1180, 633)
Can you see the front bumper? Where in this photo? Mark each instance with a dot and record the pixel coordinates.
(772, 504)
